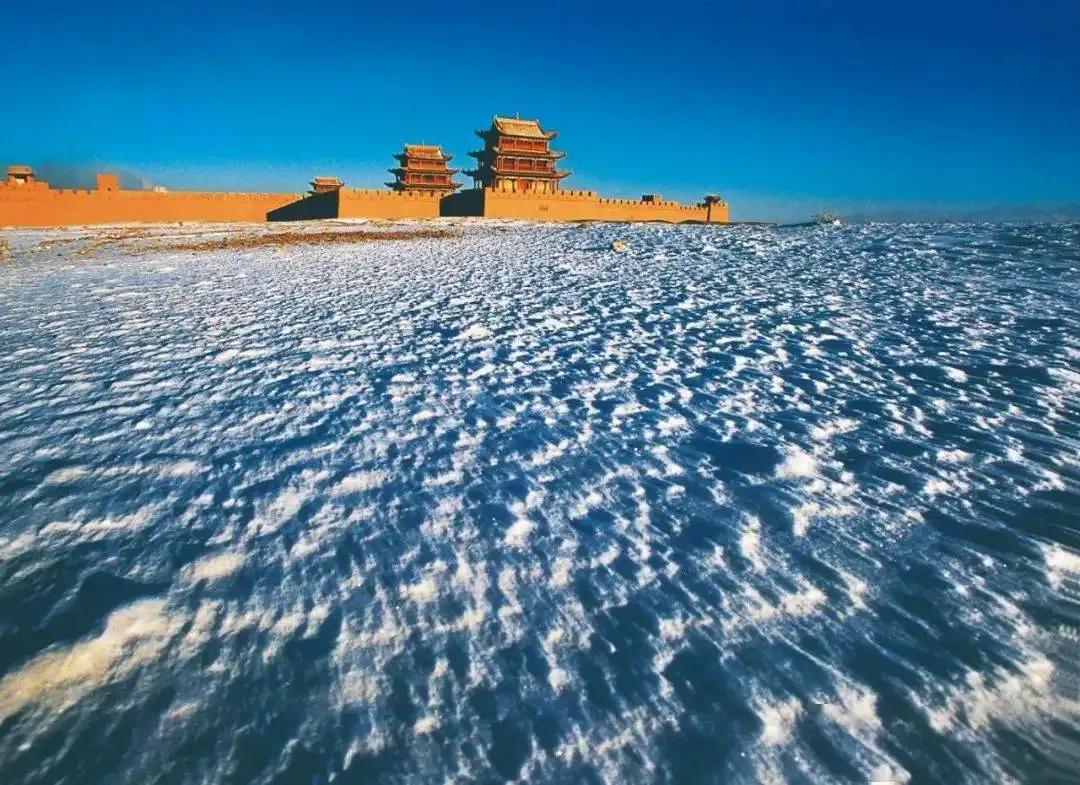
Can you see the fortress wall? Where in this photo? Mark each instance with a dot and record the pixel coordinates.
(371, 203)
(38, 205)
(359, 203)
(35, 204)
(719, 213)
(463, 204)
(308, 208)
(589, 206)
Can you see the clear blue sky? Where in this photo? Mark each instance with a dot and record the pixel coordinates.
(784, 107)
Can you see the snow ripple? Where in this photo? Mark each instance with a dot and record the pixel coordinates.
(736, 505)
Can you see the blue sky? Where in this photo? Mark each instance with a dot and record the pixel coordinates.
(784, 107)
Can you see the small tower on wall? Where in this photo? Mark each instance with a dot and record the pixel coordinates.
(423, 168)
(19, 174)
(323, 184)
(517, 156)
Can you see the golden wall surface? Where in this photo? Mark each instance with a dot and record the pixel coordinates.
(568, 205)
(323, 204)
(35, 204)
(360, 203)
(365, 203)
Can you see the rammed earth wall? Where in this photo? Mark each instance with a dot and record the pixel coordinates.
(36, 204)
(576, 206)
(360, 203)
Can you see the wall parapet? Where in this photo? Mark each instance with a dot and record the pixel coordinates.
(589, 196)
(36, 204)
(360, 203)
(162, 196)
(378, 193)
(586, 206)
(33, 203)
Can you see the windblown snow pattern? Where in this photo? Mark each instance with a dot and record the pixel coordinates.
(735, 505)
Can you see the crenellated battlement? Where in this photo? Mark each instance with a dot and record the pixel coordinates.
(33, 203)
(376, 193)
(8, 189)
(562, 195)
(376, 203)
(149, 196)
(571, 205)
(36, 204)
(360, 203)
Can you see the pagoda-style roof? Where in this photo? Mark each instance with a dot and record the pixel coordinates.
(431, 151)
(425, 164)
(551, 154)
(20, 170)
(321, 183)
(514, 126)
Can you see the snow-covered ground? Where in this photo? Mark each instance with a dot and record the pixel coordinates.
(733, 505)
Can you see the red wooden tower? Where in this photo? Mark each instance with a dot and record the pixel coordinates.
(423, 168)
(517, 157)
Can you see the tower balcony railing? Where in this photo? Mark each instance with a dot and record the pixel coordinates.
(532, 155)
(525, 148)
(419, 166)
(527, 171)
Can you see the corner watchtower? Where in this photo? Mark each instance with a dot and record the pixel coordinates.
(322, 184)
(19, 174)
